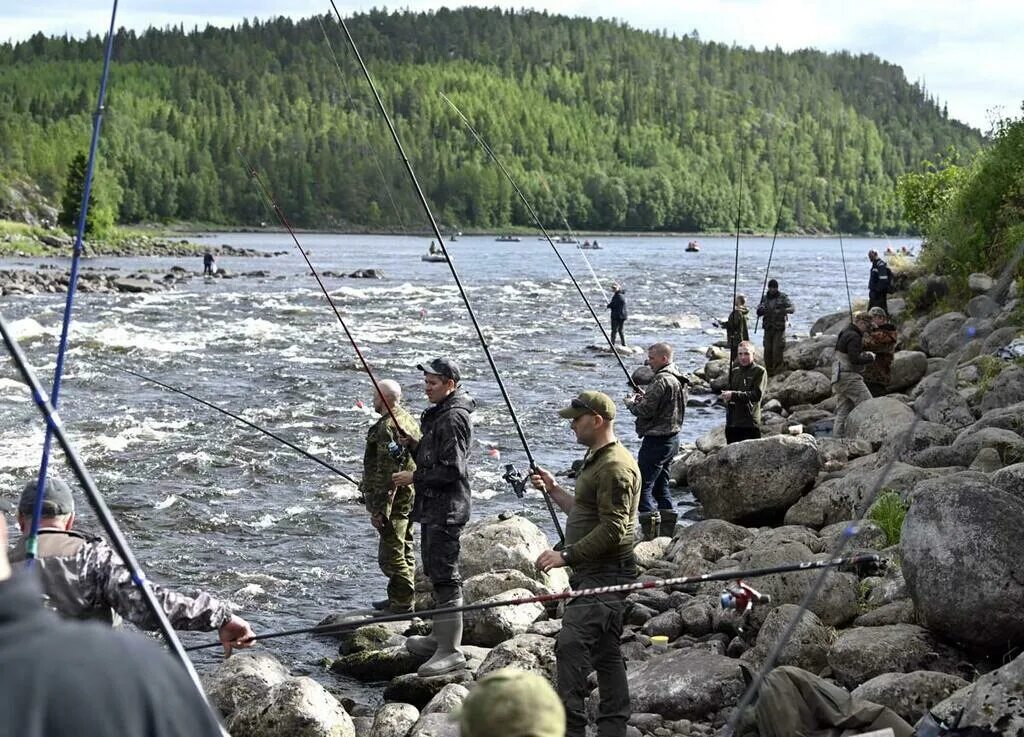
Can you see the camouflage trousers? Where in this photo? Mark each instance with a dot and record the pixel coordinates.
(395, 557)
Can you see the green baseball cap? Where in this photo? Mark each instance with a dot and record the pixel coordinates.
(589, 403)
(511, 703)
(57, 498)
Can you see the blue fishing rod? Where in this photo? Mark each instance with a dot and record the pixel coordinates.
(32, 541)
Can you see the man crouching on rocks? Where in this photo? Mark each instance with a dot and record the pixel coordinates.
(599, 537)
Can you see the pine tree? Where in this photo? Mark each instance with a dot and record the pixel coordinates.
(71, 202)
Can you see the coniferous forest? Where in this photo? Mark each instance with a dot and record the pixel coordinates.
(617, 128)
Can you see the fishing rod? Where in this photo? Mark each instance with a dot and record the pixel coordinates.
(55, 425)
(517, 482)
(771, 251)
(543, 230)
(846, 279)
(572, 236)
(269, 199)
(32, 540)
(862, 559)
(232, 415)
(736, 260)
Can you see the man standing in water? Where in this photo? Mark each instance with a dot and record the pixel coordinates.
(847, 371)
(441, 506)
(774, 308)
(208, 264)
(747, 383)
(390, 506)
(618, 307)
(599, 537)
(659, 414)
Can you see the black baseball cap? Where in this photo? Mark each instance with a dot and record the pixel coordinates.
(445, 367)
(57, 498)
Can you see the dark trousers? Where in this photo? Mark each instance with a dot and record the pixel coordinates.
(617, 326)
(774, 346)
(878, 299)
(655, 457)
(589, 640)
(440, 546)
(738, 434)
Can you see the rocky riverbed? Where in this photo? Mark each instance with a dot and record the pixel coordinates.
(939, 627)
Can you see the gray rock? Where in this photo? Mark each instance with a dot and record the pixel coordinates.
(769, 537)
(680, 468)
(133, 285)
(982, 306)
(943, 335)
(651, 552)
(1007, 389)
(685, 684)
(1000, 338)
(879, 421)
(868, 535)
(908, 368)
(365, 638)
(910, 695)
(495, 544)
(987, 461)
(1007, 443)
(861, 653)
(961, 551)
(708, 442)
(545, 627)
(298, 707)
(980, 283)
(834, 320)
(668, 623)
(1011, 479)
(413, 689)
(799, 387)
(698, 615)
(900, 611)
(242, 679)
(488, 627)
(446, 700)
(1008, 418)
(485, 585)
(757, 478)
(435, 725)
(807, 647)
(708, 539)
(534, 653)
(993, 702)
(394, 720)
(378, 665)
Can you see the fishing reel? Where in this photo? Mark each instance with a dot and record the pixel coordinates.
(515, 479)
(396, 451)
(742, 597)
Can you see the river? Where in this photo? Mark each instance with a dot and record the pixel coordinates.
(208, 503)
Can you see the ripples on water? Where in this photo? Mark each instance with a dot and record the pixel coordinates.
(207, 502)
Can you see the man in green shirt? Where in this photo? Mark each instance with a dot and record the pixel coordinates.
(747, 382)
(599, 536)
(389, 506)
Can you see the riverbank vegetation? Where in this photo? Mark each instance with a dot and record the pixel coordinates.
(617, 128)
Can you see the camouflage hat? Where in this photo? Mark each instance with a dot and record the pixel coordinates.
(589, 403)
(57, 498)
(511, 703)
(876, 312)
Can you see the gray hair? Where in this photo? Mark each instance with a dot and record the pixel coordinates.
(390, 391)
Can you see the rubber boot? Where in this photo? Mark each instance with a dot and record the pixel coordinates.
(422, 645)
(667, 527)
(649, 522)
(448, 636)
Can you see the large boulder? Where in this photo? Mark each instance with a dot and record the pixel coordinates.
(378, 665)
(1006, 389)
(861, 653)
(910, 695)
(961, 551)
(243, 679)
(709, 540)
(711, 440)
(685, 684)
(831, 323)
(799, 387)
(394, 720)
(1011, 480)
(485, 585)
(993, 702)
(488, 627)
(757, 478)
(1007, 443)
(534, 653)
(937, 400)
(980, 283)
(810, 354)
(908, 368)
(504, 542)
(298, 707)
(879, 421)
(418, 691)
(941, 336)
(807, 646)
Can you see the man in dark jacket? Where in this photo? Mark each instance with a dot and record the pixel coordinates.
(736, 326)
(747, 382)
(847, 381)
(618, 307)
(73, 678)
(879, 283)
(774, 309)
(659, 411)
(441, 506)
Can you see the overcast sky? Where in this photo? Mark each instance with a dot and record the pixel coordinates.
(968, 54)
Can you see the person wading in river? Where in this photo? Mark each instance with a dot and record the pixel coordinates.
(441, 506)
(618, 307)
(390, 506)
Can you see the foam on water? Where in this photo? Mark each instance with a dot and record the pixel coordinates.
(166, 502)
(26, 329)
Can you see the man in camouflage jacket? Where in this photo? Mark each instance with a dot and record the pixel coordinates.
(389, 507)
(84, 578)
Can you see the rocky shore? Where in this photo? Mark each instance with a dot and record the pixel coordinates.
(939, 627)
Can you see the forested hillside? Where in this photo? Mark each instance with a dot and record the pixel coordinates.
(616, 127)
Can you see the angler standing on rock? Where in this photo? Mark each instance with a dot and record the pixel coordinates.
(847, 380)
(880, 339)
(618, 307)
(389, 506)
(879, 283)
(747, 383)
(659, 411)
(599, 537)
(441, 506)
(736, 326)
(774, 308)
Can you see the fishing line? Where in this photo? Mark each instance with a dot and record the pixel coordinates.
(536, 219)
(736, 260)
(846, 279)
(771, 251)
(32, 540)
(514, 479)
(573, 236)
(232, 415)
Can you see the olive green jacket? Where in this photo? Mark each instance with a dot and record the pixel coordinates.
(600, 530)
(379, 464)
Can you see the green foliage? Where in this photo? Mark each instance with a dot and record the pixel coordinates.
(989, 368)
(925, 195)
(888, 512)
(100, 217)
(615, 127)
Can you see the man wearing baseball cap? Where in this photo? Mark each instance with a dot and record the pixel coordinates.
(599, 536)
(441, 505)
(84, 578)
(880, 338)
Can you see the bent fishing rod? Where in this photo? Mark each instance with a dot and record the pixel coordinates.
(543, 230)
(315, 458)
(736, 261)
(846, 279)
(55, 425)
(32, 541)
(862, 559)
(271, 202)
(515, 479)
(771, 251)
